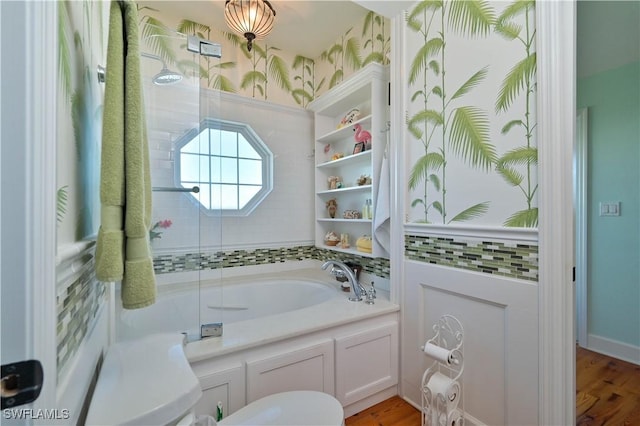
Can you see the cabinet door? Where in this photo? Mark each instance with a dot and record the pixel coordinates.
(226, 386)
(366, 363)
(306, 368)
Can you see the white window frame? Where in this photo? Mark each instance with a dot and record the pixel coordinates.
(256, 143)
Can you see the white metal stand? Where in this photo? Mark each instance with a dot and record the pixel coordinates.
(441, 382)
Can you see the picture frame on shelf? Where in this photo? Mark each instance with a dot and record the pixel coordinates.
(358, 147)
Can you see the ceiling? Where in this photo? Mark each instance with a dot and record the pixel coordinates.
(608, 35)
(304, 27)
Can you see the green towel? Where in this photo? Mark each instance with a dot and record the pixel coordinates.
(123, 252)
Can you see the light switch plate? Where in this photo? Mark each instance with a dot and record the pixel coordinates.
(610, 208)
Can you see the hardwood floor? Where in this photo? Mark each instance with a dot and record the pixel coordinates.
(607, 390)
(607, 393)
(394, 411)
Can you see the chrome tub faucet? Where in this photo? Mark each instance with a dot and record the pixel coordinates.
(339, 269)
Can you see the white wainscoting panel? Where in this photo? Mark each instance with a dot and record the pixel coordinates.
(499, 316)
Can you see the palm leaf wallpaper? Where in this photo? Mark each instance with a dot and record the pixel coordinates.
(267, 72)
(82, 47)
(471, 116)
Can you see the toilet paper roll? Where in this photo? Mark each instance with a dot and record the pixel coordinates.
(448, 388)
(439, 354)
(454, 418)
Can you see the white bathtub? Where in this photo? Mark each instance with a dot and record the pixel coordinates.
(183, 307)
(277, 325)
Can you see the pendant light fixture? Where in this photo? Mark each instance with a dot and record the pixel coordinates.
(251, 18)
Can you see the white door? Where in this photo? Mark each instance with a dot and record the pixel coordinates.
(27, 204)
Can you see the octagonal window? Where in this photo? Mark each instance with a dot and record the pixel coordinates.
(230, 164)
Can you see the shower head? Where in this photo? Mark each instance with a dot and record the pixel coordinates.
(165, 76)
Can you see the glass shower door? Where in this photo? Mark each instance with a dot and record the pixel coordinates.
(171, 91)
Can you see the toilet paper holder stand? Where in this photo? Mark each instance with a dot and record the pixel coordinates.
(441, 386)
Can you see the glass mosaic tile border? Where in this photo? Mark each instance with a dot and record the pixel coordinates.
(77, 307)
(509, 259)
(167, 263)
(79, 303)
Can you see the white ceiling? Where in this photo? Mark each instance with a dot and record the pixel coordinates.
(305, 27)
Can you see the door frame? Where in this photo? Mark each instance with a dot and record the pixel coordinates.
(556, 109)
(31, 215)
(581, 214)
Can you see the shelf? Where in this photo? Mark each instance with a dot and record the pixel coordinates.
(328, 219)
(364, 156)
(350, 250)
(366, 90)
(343, 190)
(343, 132)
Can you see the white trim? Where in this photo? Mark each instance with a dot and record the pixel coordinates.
(582, 214)
(41, 49)
(614, 348)
(70, 252)
(258, 103)
(372, 71)
(556, 55)
(528, 235)
(396, 154)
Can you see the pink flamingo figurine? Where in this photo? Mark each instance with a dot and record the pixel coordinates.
(362, 136)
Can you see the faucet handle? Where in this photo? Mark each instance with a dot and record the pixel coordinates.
(371, 295)
(372, 290)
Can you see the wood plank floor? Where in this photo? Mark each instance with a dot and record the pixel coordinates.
(607, 393)
(607, 390)
(394, 411)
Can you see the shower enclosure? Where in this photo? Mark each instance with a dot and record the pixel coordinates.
(186, 232)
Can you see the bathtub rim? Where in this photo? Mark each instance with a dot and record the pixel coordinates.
(249, 334)
(175, 282)
(331, 313)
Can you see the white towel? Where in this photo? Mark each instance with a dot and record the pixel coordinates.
(382, 221)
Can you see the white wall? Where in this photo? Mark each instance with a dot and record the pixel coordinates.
(284, 218)
(498, 314)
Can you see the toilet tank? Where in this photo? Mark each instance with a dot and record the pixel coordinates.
(147, 381)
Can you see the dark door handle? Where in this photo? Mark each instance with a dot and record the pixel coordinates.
(21, 383)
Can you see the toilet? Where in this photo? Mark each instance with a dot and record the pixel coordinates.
(149, 381)
(295, 408)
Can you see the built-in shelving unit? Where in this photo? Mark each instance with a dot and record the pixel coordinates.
(366, 91)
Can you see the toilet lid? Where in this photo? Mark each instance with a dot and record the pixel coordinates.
(299, 408)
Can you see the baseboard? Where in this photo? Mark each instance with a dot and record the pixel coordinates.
(614, 348)
(469, 420)
(370, 401)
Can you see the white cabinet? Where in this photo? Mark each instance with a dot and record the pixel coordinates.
(356, 362)
(304, 368)
(225, 385)
(366, 363)
(367, 92)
